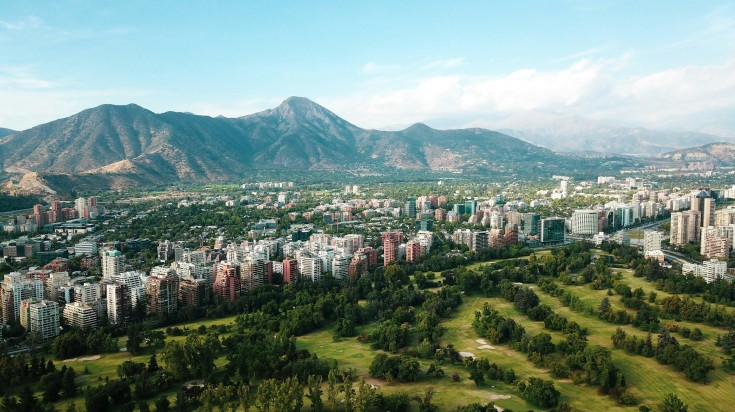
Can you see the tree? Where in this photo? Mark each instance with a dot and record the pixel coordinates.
(163, 404)
(134, 339)
(541, 392)
(364, 397)
(424, 402)
(153, 364)
(314, 387)
(672, 403)
(174, 357)
(68, 383)
(332, 389)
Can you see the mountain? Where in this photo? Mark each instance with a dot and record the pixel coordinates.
(720, 154)
(122, 146)
(4, 132)
(578, 134)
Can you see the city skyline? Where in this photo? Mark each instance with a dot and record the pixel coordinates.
(657, 65)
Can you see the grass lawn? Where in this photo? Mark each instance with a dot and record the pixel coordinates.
(106, 365)
(449, 395)
(478, 265)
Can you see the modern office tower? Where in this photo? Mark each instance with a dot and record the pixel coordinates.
(552, 230)
(584, 222)
(703, 203)
(409, 208)
(531, 224)
(470, 207)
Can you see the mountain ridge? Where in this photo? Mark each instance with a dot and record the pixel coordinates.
(127, 145)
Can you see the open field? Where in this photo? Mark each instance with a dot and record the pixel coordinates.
(352, 354)
(105, 367)
(478, 265)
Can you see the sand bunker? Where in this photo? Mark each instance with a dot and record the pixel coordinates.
(86, 358)
(486, 347)
(496, 397)
(467, 354)
(481, 341)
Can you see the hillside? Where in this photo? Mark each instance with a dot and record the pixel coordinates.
(578, 134)
(4, 132)
(721, 153)
(121, 146)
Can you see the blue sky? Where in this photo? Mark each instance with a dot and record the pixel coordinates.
(658, 64)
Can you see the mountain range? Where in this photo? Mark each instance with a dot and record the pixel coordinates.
(4, 132)
(120, 146)
(566, 133)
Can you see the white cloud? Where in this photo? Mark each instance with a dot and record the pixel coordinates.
(26, 23)
(596, 88)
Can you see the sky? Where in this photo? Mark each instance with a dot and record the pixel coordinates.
(667, 65)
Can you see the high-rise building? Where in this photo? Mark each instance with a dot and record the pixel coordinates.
(15, 288)
(113, 263)
(391, 242)
(162, 290)
(194, 292)
(584, 222)
(552, 230)
(463, 237)
(409, 208)
(652, 241)
(685, 227)
(79, 315)
(725, 217)
(470, 207)
(624, 216)
(715, 244)
(119, 303)
(531, 224)
(703, 203)
(310, 266)
(440, 215)
(40, 316)
(254, 272)
(709, 270)
(227, 281)
(413, 250)
(290, 270)
(341, 266)
(480, 239)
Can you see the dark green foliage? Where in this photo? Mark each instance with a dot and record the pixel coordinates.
(540, 392)
(82, 342)
(399, 368)
(672, 403)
